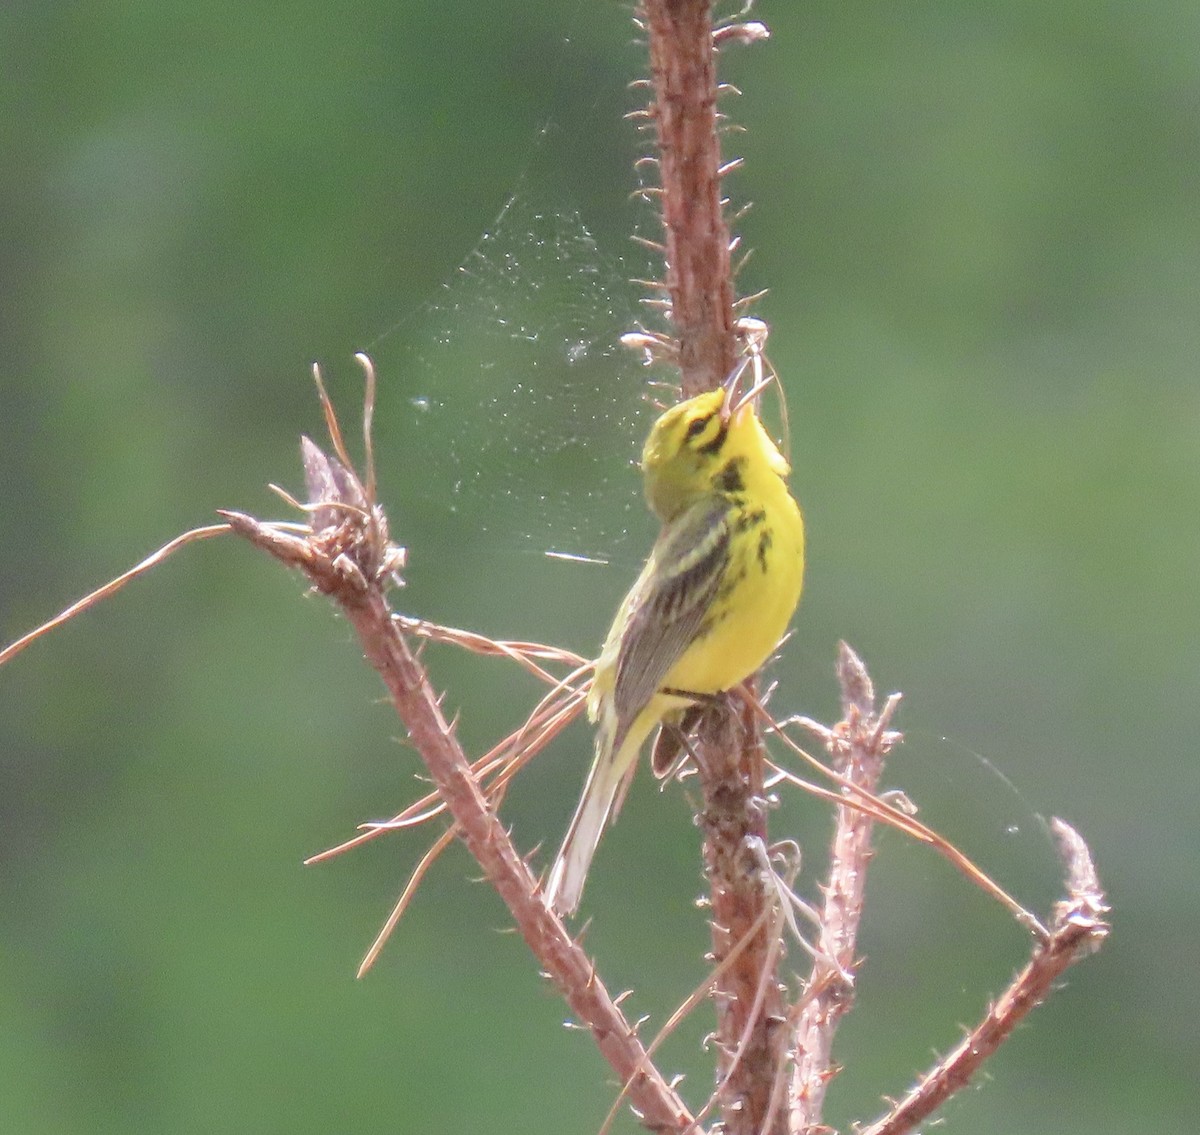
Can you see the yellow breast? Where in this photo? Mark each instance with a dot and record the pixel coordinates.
(757, 598)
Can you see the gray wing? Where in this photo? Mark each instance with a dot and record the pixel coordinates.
(670, 606)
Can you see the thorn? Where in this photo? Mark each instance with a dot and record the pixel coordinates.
(537, 847)
(652, 245)
(742, 263)
(727, 89)
(745, 35)
(753, 298)
(651, 345)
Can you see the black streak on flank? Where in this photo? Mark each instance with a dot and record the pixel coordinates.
(749, 518)
(764, 546)
(729, 479)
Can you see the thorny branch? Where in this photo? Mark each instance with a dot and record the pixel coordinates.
(858, 745)
(757, 1034)
(696, 240)
(1078, 928)
(347, 554)
(701, 313)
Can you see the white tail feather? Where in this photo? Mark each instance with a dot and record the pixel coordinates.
(605, 782)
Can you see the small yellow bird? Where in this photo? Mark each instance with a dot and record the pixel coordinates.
(711, 603)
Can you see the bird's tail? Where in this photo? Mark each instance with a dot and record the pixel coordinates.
(607, 782)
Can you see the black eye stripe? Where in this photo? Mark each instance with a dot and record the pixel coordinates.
(710, 448)
(697, 427)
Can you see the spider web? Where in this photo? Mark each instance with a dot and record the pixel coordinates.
(507, 400)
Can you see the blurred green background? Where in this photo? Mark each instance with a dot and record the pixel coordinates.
(980, 225)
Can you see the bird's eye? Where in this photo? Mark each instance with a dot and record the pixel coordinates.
(697, 427)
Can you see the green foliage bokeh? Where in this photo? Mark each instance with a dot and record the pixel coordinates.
(981, 232)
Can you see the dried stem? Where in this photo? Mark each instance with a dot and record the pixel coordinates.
(1077, 929)
(699, 283)
(684, 112)
(858, 746)
(346, 556)
(748, 997)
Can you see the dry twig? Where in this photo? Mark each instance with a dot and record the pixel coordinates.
(864, 741)
(347, 554)
(348, 557)
(1077, 929)
(702, 311)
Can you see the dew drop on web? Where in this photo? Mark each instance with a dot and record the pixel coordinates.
(508, 406)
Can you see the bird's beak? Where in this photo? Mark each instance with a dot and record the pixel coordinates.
(733, 400)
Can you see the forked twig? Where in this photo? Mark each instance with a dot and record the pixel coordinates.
(523, 653)
(346, 555)
(1078, 928)
(864, 742)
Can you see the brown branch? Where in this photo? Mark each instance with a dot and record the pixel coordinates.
(858, 745)
(347, 558)
(1077, 929)
(751, 1045)
(748, 997)
(684, 112)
